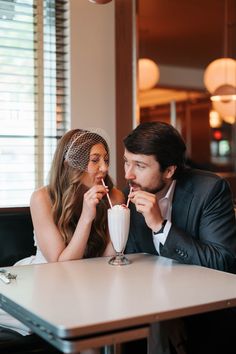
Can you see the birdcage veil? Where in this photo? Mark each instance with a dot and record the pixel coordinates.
(77, 151)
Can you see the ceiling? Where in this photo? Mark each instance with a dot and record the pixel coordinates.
(185, 33)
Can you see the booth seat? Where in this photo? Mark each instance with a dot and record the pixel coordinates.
(16, 235)
(17, 242)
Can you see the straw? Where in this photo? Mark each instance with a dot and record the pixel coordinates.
(109, 200)
(130, 190)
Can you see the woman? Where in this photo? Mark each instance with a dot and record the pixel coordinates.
(70, 213)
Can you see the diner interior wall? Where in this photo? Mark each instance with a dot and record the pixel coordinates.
(92, 69)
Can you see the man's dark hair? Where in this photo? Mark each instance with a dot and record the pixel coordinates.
(161, 140)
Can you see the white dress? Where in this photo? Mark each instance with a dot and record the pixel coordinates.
(6, 320)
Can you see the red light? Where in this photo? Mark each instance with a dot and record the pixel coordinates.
(217, 135)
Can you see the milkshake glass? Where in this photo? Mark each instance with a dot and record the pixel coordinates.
(118, 224)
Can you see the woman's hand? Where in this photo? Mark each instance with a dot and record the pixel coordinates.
(91, 198)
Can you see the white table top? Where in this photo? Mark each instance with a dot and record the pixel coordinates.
(84, 297)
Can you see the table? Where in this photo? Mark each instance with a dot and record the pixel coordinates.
(87, 303)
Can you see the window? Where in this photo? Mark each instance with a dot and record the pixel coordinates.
(33, 93)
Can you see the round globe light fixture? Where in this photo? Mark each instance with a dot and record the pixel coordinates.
(214, 119)
(224, 93)
(148, 74)
(220, 72)
(225, 109)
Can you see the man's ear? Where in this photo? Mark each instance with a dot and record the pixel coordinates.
(169, 171)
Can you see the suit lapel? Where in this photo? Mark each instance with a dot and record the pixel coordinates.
(182, 200)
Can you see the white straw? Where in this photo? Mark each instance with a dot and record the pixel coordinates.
(109, 200)
(127, 204)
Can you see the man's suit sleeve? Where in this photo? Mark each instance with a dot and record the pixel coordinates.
(209, 236)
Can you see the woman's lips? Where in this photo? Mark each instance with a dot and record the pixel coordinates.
(99, 179)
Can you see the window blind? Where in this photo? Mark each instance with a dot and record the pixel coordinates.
(33, 93)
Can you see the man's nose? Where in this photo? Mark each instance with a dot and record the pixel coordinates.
(129, 174)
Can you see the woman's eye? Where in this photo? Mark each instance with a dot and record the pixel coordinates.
(94, 160)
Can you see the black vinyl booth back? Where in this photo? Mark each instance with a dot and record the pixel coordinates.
(17, 242)
(16, 235)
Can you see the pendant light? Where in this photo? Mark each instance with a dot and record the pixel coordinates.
(220, 75)
(148, 74)
(225, 109)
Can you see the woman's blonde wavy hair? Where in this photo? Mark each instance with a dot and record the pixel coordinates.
(66, 192)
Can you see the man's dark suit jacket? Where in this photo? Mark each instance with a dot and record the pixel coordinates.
(203, 230)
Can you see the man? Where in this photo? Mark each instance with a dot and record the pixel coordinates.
(179, 213)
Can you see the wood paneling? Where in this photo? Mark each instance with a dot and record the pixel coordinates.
(193, 124)
(125, 25)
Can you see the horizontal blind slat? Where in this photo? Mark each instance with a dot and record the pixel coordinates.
(19, 93)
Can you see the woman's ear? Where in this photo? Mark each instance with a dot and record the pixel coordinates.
(169, 171)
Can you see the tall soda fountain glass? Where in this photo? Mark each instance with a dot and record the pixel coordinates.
(118, 224)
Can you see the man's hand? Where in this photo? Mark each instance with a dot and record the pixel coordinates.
(147, 204)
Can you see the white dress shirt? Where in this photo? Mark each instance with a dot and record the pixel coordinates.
(165, 205)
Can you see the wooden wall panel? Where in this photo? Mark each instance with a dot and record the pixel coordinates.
(193, 124)
(200, 135)
(125, 39)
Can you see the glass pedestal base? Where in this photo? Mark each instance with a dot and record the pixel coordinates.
(119, 260)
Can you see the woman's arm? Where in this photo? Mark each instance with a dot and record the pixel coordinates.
(48, 237)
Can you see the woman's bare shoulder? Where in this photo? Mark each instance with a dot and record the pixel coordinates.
(40, 196)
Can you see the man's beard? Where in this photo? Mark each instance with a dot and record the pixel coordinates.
(158, 189)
